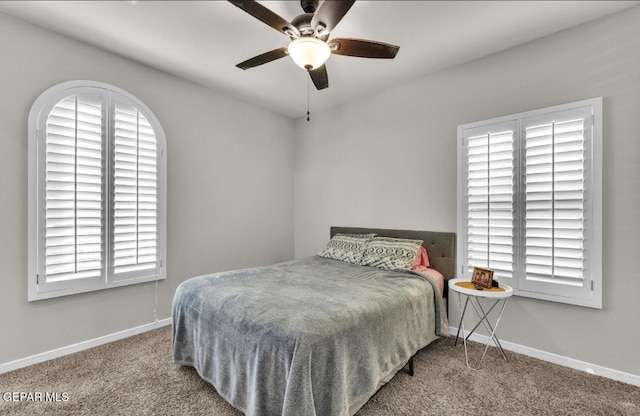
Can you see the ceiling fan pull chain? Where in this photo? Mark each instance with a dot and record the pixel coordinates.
(308, 113)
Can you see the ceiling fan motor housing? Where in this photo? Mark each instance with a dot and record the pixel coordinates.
(303, 24)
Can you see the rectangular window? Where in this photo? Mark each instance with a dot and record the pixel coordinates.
(530, 204)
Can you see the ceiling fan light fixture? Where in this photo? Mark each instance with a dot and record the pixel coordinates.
(308, 52)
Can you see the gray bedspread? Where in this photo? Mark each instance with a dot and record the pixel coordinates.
(307, 337)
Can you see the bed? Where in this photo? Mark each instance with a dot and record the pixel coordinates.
(314, 336)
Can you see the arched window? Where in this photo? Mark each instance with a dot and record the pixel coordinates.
(97, 191)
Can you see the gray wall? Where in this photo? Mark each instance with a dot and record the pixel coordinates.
(230, 187)
(389, 160)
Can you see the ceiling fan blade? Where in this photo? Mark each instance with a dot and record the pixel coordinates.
(363, 48)
(329, 14)
(319, 77)
(265, 15)
(264, 58)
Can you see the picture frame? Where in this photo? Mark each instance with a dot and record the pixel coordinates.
(482, 277)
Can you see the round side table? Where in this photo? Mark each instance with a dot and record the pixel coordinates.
(463, 287)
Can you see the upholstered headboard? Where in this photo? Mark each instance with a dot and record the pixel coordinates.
(441, 246)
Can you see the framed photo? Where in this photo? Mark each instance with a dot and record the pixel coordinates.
(482, 277)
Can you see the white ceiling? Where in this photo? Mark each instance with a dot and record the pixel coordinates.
(203, 40)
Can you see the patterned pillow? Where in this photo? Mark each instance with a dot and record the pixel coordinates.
(346, 247)
(391, 253)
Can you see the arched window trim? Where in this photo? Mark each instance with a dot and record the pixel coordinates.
(42, 107)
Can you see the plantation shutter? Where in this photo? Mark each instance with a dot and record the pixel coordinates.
(96, 191)
(490, 199)
(73, 185)
(530, 201)
(554, 158)
(135, 193)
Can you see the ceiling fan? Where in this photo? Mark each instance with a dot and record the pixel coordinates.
(309, 32)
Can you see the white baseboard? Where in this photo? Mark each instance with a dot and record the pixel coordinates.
(84, 345)
(560, 360)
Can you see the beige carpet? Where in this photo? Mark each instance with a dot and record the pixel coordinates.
(135, 376)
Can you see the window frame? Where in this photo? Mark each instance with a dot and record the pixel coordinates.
(38, 115)
(592, 198)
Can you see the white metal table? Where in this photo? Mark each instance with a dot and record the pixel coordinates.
(473, 297)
